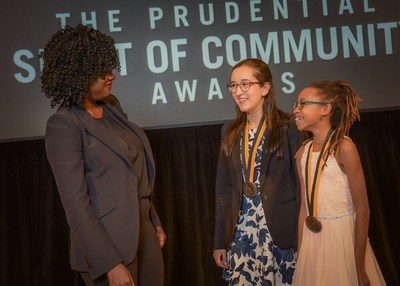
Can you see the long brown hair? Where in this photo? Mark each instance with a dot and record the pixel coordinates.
(344, 101)
(277, 120)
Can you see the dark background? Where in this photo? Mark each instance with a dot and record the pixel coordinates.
(34, 233)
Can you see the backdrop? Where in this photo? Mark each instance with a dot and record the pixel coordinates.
(176, 55)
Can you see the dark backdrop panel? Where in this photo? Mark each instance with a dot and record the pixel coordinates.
(34, 233)
(186, 161)
(377, 138)
(33, 228)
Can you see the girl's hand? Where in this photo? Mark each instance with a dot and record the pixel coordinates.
(220, 258)
(363, 279)
(162, 237)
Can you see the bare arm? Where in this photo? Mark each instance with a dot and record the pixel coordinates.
(303, 210)
(350, 163)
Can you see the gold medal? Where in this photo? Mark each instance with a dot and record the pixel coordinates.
(313, 224)
(249, 189)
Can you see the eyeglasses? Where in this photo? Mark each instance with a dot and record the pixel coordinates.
(301, 103)
(244, 86)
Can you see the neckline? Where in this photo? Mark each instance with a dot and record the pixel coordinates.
(309, 146)
(101, 117)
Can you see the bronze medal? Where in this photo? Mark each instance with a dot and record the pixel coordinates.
(248, 158)
(313, 224)
(249, 189)
(312, 187)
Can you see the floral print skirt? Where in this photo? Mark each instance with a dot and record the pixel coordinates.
(253, 258)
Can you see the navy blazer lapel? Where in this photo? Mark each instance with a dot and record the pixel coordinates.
(101, 133)
(265, 160)
(236, 160)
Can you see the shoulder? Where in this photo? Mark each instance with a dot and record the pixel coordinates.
(63, 132)
(349, 159)
(62, 123)
(226, 127)
(300, 152)
(62, 115)
(348, 153)
(347, 146)
(228, 124)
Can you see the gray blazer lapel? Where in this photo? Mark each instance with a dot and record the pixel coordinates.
(101, 133)
(142, 136)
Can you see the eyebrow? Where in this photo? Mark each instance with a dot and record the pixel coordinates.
(243, 79)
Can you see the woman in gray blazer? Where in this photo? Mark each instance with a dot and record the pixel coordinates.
(102, 163)
(257, 192)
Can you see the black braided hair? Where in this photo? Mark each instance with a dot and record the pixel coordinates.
(344, 101)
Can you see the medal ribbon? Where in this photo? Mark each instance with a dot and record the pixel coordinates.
(249, 156)
(312, 191)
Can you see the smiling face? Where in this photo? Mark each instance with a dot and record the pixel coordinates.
(252, 100)
(312, 110)
(100, 88)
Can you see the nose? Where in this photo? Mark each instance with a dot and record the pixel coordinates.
(239, 90)
(237, 93)
(110, 76)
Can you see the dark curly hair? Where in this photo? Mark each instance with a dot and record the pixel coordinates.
(73, 58)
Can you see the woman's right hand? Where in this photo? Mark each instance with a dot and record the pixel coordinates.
(220, 258)
(120, 276)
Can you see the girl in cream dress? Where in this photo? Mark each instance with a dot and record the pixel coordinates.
(333, 247)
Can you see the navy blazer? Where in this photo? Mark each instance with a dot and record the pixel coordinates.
(97, 186)
(280, 191)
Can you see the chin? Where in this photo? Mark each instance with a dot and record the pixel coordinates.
(299, 126)
(243, 108)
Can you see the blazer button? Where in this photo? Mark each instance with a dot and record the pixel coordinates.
(264, 197)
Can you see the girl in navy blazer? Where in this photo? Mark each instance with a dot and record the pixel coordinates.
(102, 163)
(257, 192)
